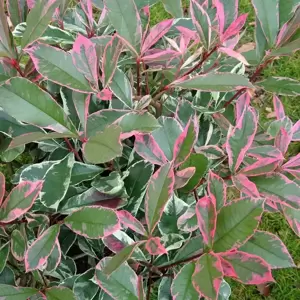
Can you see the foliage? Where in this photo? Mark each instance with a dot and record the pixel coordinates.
(137, 134)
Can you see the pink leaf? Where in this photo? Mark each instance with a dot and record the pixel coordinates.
(207, 219)
(160, 56)
(293, 166)
(85, 59)
(220, 15)
(246, 268)
(110, 59)
(154, 246)
(146, 147)
(31, 3)
(2, 187)
(187, 222)
(87, 7)
(188, 33)
(131, 222)
(217, 190)
(105, 95)
(243, 184)
(234, 54)
(241, 137)
(242, 102)
(278, 107)
(235, 27)
(262, 166)
(156, 33)
(20, 200)
(184, 144)
(283, 140)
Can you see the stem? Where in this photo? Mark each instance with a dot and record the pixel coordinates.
(147, 81)
(206, 55)
(196, 195)
(138, 79)
(149, 281)
(253, 79)
(71, 149)
(16, 65)
(180, 262)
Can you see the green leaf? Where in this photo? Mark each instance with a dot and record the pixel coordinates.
(104, 146)
(55, 293)
(54, 259)
(173, 7)
(278, 188)
(215, 82)
(268, 14)
(236, 223)
(133, 122)
(208, 276)
(192, 247)
(93, 222)
(84, 286)
(261, 41)
(270, 248)
(37, 137)
(110, 185)
(18, 245)
(38, 19)
(287, 49)
(281, 86)
(56, 65)
(117, 260)
(6, 71)
(26, 102)
(17, 11)
(39, 251)
(6, 42)
(200, 162)
(225, 291)
(166, 135)
(7, 276)
(84, 172)
(136, 183)
(182, 287)
(121, 284)
(9, 292)
(121, 88)
(126, 20)
(158, 193)
(4, 251)
(164, 289)
(58, 176)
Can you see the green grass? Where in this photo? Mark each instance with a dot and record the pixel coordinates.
(287, 286)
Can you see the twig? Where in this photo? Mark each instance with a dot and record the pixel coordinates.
(138, 79)
(146, 80)
(71, 149)
(196, 195)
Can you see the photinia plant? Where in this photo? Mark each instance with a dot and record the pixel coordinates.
(148, 168)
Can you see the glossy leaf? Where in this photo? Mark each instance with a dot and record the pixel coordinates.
(18, 245)
(240, 138)
(270, 248)
(55, 293)
(217, 190)
(20, 200)
(236, 223)
(182, 287)
(37, 254)
(246, 268)
(185, 142)
(85, 59)
(207, 219)
(126, 20)
(268, 15)
(26, 102)
(93, 222)
(104, 146)
(218, 82)
(120, 284)
(10, 292)
(281, 86)
(208, 276)
(38, 19)
(278, 188)
(159, 191)
(56, 65)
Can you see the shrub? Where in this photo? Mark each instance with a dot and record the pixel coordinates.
(148, 163)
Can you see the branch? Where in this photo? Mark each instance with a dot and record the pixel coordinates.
(71, 149)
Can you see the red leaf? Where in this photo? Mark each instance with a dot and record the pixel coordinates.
(246, 268)
(146, 147)
(156, 33)
(243, 184)
(154, 246)
(131, 222)
(207, 218)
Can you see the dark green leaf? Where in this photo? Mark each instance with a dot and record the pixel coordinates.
(9, 292)
(18, 245)
(55, 293)
(4, 251)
